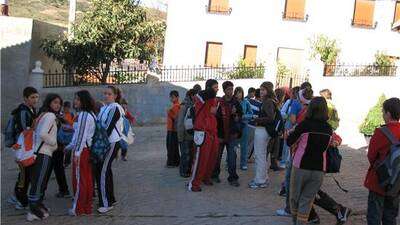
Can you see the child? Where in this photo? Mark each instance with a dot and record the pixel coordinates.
(382, 208)
(24, 116)
(173, 157)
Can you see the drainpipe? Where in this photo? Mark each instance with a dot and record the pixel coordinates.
(71, 18)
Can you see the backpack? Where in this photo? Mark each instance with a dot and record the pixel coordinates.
(10, 132)
(65, 134)
(388, 170)
(333, 160)
(100, 143)
(188, 121)
(27, 146)
(276, 127)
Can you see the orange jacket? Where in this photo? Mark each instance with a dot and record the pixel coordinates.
(172, 116)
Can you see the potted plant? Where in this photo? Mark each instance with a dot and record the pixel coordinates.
(327, 49)
(373, 119)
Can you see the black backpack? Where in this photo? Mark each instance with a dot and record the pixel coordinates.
(389, 169)
(276, 127)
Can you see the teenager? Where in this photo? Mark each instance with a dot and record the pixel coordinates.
(82, 179)
(308, 161)
(206, 106)
(261, 136)
(185, 137)
(251, 93)
(255, 105)
(173, 157)
(46, 134)
(382, 209)
(247, 116)
(111, 118)
(24, 116)
(229, 117)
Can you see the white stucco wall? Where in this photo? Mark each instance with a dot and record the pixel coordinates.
(259, 22)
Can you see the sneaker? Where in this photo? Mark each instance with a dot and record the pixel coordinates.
(124, 158)
(283, 212)
(282, 192)
(216, 180)
(343, 215)
(244, 168)
(71, 212)
(234, 183)
(31, 217)
(104, 209)
(12, 200)
(19, 206)
(314, 220)
(254, 185)
(193, 189)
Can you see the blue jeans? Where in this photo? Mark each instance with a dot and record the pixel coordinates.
(231, 153)
(288, 172)
(285, 154)
(382, 209)
(244, 141)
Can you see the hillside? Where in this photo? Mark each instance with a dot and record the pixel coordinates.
(56, 11)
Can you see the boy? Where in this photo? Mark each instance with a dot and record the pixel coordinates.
(382, 208)
(206, 106)
(173, 157)
(251, 93)
(24, 116)
(229, 116)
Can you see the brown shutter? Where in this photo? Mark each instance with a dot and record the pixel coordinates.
(364, 12)
(250, 55)
(295, 9)
(397, 12)
(219, 5)
(213, 54)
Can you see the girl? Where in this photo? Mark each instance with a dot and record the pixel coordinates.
(310, 139)
(45, 134)
(247, 115)
(261, 137)
(111, 119)
(82, 179)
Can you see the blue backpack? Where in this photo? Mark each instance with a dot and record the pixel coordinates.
(10, 132)
(100, 143)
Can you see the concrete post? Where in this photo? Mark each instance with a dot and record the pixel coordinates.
(152, 78)
(36, 78)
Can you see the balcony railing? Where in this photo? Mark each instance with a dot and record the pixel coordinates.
(216, 9)
(296, 16)
(359, 70)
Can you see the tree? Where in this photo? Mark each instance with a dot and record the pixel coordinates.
(110, 30)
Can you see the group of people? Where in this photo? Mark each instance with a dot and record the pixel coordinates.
(203, 125)
(61, 137)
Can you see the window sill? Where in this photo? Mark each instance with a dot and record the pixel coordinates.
(294, 18)
(395, 28)
(219, 12)
(364, 26)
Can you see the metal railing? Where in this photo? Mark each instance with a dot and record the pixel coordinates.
(117, 76)
(344, 70)
(291, 80)
(202, 73)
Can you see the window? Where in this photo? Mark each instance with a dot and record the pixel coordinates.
(396, 19)
(213, 54)
(250, 55)
(364, 13)
(294, 10)
(219, 6)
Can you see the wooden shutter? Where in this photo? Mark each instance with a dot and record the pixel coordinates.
(294, 9)
(397, 12)
(213, 54)
(219, 6)
(250, 55)
(364, 12)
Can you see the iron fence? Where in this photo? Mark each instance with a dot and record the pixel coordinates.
(202, 73)
(117, 76)
(291, 80)
(344, 70)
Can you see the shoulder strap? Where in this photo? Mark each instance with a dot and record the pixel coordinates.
(386, 131)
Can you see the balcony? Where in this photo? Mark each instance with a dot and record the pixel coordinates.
(218, 9)
(295, 16)
(363, 23)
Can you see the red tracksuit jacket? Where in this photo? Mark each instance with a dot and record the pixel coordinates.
(205, 120)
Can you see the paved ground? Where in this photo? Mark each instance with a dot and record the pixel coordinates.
(148, 193)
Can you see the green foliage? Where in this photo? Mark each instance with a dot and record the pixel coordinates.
(381, 60)
(374, 118)
(110, 30)
(325, 47)
(282, 70)
(243, 71)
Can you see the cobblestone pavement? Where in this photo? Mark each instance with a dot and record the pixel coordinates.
(148, 193)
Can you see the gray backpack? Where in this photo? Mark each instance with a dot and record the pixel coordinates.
(389, 169)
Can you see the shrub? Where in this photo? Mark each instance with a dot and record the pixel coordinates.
(327, 48)
(243, 71)
(374, 118)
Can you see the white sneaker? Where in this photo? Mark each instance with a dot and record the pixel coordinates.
(19, 206)
(282, 212)
(45, 215)
(104, 209)
(31, 217)
(12, 200)
(71, 212)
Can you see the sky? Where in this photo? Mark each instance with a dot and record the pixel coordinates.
(158, 4)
